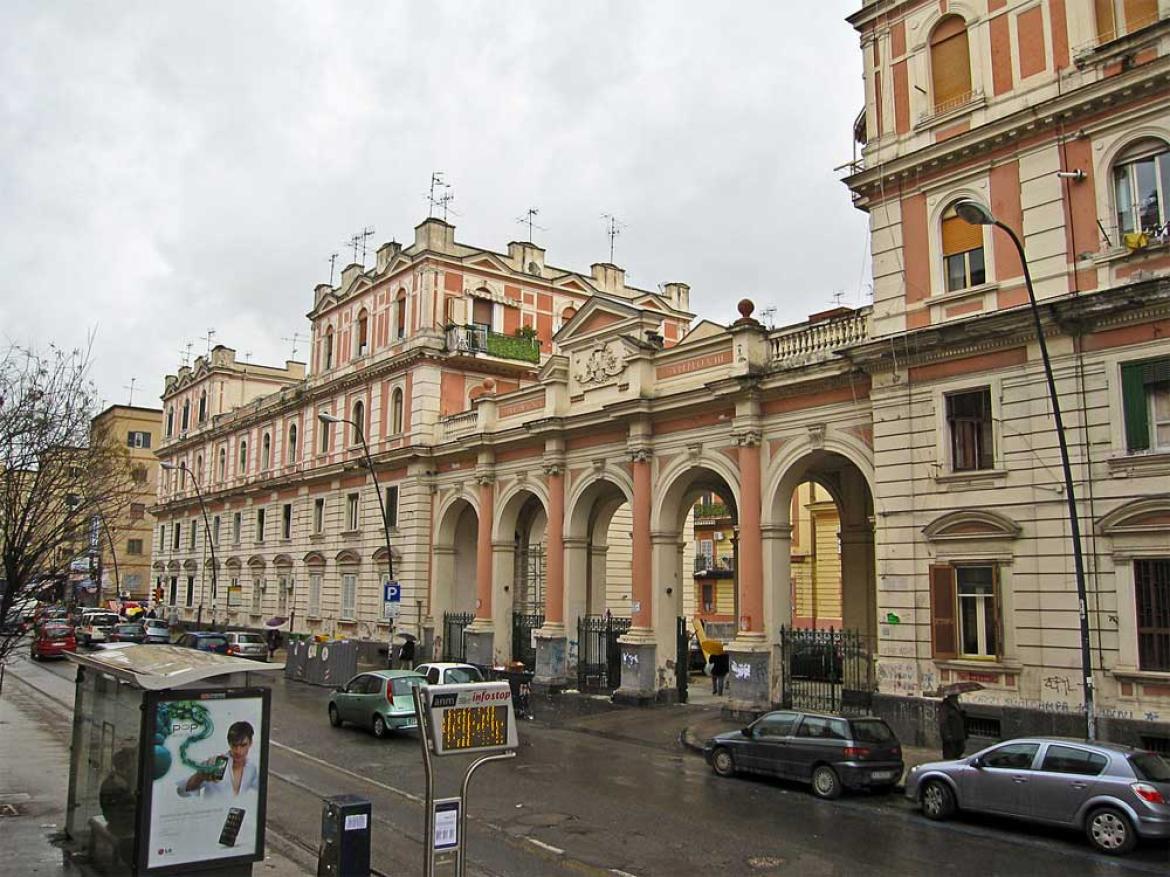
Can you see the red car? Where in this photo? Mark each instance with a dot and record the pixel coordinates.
(53, 640)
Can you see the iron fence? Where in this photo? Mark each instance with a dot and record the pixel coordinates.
(829, 671)
(523, 624)
(599, 655)
(454, 646)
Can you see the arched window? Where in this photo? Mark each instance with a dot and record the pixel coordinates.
(358, 428)
(170, 420)
(202, 406)
(329, 348)
(400, 315)
(396, 411)
(292, 443)
(1116, 18)
(962, 249)
(1141, 187)
(950, 63)
(265, 452)
(199, 465)
(363, 332)
(323, 428)
(223, 464)
(243, 456)
(186, 423)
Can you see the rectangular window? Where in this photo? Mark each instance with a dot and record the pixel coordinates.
(234, 592)
(215, 531)
(314, 595)
(132, 582)
(133, 546)
(962, 247)
(175, 539)
(282, 595)
(392, 506)
(138, 439)
(969, 421)
(319, 516)
(137, 511)
(1116, 18)
(190, 595)
(257, 592)
(1145, 391)
(162, 536)
(191, 528)
(286, 521)
(259, 525)
(323, 429)
(965, 611)
(237, 526)
(351, 512)
(1151, 583)
(348, 596)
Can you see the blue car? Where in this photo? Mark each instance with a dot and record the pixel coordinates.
(205, 641)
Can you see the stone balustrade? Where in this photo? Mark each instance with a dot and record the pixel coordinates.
(819, 339)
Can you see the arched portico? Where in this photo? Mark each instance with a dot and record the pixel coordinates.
(453, 584)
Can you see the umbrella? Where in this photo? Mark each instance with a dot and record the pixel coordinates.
(276, 622)
(402, 634)
(958, 688)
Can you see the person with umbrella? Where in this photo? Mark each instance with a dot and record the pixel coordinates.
(406, 653)
(952, 721)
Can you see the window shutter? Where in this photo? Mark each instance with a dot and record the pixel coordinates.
(959, 236)
(1139, 13)
(997, 603)
(950, 63)
(1133, 395)
(942, 612)
(1106, 26)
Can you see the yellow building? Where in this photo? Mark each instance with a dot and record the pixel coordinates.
(126, 533)
(816, 558)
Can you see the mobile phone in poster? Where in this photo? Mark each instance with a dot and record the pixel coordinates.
(206, 777)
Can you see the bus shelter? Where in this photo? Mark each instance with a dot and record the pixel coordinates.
(168, 772)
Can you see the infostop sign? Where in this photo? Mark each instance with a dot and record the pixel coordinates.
(474, 717)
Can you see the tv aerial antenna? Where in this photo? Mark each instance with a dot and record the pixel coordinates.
(332, 266)
(130, 387)
(185, 353)
(613, 228)
(768, 316)
(443, 199)
(527, 219)
(208, 339)
(296, 337)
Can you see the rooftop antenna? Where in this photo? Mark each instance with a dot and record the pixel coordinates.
(332, 266)
(209, 337)
(530, 214)
(445, 199)
(366, 233)
(436, 181)
(612, 228)
(768, 315)
(247, 356)
(130, 387)
(296, 336)
(355, 244)
(837, 296)
(185, 353)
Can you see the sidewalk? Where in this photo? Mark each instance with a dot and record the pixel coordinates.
(34, 787)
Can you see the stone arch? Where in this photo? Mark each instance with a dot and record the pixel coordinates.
(679, 478)
(314, 558)
(347, 556)
(593, 499)
(282, 560)
(256, 562)
(453, 556)
(445, 522)
(510, 503)
(586, 490)
(971, 524)
(190, 566)
(1148, 515)
(795, 459)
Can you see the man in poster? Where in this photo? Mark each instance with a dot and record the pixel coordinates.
(242, 776)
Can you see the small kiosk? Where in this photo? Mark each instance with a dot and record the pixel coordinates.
(169, 766)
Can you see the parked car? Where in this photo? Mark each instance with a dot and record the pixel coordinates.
(243, 644)
(447, 673)
(127, 633)
(1115, 794)
(381, 700)
(95, 626)
(205, 641)
(52, 640)
(156, 630)
(828, 752)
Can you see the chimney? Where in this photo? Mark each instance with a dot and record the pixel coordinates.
(434, 234)
(678, 294)
(526, 258)
(350, 273)
(386, 254)
(609, 278)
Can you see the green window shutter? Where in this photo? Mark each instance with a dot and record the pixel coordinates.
(1133, 394)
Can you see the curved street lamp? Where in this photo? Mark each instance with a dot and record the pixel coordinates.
(977, 213)
(182, 467)
(325, 417)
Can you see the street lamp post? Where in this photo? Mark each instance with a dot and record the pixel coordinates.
(325, 417)
(182, 467)
(976, 213)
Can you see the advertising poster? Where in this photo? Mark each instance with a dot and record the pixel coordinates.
(207, 778)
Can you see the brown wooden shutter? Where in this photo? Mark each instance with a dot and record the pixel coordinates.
(950, 61)
(1106, 25)
(1139, 14)
(959, 236)
(943, 641)
(997, 602)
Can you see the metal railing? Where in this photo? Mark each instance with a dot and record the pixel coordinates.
(713, 565)
(599, 655)
(454, 645)
(827, 671)
(480, 339)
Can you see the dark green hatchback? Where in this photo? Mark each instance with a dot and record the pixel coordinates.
(381, 700)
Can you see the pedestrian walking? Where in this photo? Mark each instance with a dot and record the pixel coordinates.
(952, 727)
(406, 655)
(273, 642)
(720, 666)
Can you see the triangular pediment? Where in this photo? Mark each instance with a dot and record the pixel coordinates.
(702, 331)
(571, 283)
(600, 318)
(489, 262)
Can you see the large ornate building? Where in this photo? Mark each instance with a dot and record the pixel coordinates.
(925, 419)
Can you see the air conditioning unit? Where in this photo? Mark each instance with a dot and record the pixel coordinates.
(719, 537)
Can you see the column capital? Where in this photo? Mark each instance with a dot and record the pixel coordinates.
(553, 465)
(640, 453)
(748, 438)
(485, 475)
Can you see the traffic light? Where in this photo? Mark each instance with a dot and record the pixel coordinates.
(158, 594)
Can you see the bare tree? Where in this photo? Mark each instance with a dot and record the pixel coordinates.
(61, 480)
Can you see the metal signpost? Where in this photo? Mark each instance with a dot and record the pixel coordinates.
(391, 599)
(475, 718)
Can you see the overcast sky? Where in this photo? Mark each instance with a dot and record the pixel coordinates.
(169, 167)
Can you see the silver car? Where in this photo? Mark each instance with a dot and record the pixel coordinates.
(1115, 794)
(157, 630)
(247, 645)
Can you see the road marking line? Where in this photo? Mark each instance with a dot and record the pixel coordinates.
(544, 846)
(400, 792)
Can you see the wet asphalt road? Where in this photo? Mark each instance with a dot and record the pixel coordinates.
(576, 800)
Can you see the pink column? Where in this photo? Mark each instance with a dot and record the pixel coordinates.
(751, 545)
(643, 588)
(554, 603)
(483, 550)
